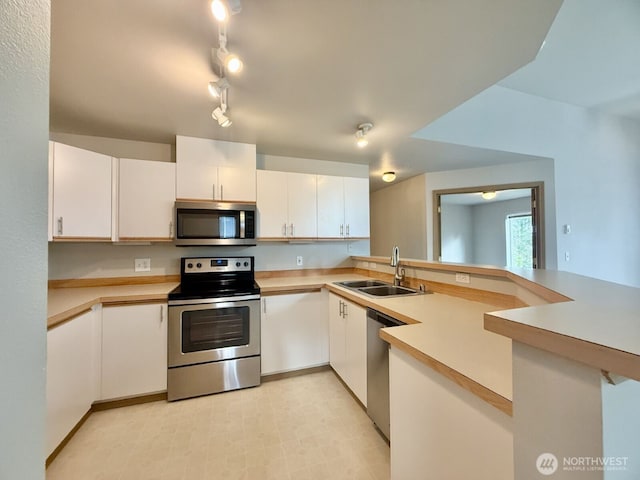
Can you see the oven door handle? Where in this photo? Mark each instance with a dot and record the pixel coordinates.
(204, 301)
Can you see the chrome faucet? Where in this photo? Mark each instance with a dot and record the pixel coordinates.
(395, 262)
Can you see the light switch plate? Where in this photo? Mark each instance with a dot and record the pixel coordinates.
(142, 265)
(462, 277)
(299, 260)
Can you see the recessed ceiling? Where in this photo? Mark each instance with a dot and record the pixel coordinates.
(313, 71)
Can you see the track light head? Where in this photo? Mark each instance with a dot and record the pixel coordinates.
(361, 134)
(229, 61)
(219, 115)
(223, 9)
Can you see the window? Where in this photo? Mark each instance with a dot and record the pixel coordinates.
(519, 230)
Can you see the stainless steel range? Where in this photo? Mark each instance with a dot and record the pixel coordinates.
(214, 327)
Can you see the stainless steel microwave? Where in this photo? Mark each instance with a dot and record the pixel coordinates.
(215, 223)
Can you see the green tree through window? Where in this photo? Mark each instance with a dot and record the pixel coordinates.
(519, 231)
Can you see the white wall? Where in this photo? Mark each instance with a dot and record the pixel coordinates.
(24, 124)
(398, 218)
(536, 171)
(490, 236)
(456, 233)
(160, 152)
(597, 172)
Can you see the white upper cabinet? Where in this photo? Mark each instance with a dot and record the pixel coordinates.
(81, 194)
(215, 170)
(343, 207)
(147, 192)
(286, 205)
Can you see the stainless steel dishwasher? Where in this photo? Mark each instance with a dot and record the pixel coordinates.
(378, 369)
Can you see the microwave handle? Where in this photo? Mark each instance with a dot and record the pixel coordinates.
(243, 222)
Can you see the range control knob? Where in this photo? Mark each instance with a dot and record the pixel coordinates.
(189, 265)
(237, 264)
(246, 264)
(199, 265)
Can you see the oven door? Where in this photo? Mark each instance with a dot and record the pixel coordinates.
(216, 330)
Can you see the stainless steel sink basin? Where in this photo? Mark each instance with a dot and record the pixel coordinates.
(387, 291)
(362, 283)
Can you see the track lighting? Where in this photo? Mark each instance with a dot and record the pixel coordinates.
(361, 134)
(223, 9)
(219, 115)
(388, 176)
(216, 89)
(230, 61)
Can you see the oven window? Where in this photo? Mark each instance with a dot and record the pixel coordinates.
(215, 328)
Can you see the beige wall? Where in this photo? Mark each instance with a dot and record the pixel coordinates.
(398, 217)
(161, 152)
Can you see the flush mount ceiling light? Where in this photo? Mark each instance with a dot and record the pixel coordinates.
(488, 195)
(361, 134)
(217, 89)
(388, 176)
(219, 115)
(223, 9)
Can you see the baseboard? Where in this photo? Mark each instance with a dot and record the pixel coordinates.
(294, 373)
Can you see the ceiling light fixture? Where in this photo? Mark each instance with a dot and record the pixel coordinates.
(219, 115)
(222, 9)
(488, 195)
(216, 89)
(388, 176)
(229, 61)
(361, 134)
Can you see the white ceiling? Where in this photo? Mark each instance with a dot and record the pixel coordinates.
(476, 197)
(138, 70)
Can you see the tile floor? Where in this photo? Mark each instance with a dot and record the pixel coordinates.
(306, 427)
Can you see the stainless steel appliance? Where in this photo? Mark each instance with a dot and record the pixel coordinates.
(215, 223)
(378, 370)
(214, 327)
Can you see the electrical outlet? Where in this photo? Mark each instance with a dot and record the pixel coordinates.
(299, 260)
(462, 277)
(142, 265)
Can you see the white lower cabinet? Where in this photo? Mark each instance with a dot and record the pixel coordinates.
(134, 350)
(294, 332)
(348, 344)
(70, 376)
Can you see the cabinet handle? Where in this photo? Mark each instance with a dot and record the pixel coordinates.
(221, 192)
(345, 312)
(341, 230)
(171, 229)
(292, 230)
(340, 307)
(59, 225)
(213, 185)
(161, 313)
(264, 306)
(347, 229)
(284, 229)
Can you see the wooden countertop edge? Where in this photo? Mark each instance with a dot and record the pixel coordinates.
(288, 289)
(593, 354)
(486, 394)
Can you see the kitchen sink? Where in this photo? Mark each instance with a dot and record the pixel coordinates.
(362, 283)
(387, 291)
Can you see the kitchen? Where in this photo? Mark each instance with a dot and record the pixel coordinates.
(618, 264)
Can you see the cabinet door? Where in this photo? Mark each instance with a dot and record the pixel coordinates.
(236, 184)
(70, 386)
(134, 350)
(272, 204)
(81, 194)
(302, 202)
(356, 207)
(147, 192)
(337, 336)
(294, 332)
(330, 207)
(215, 170)
(356, 349)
